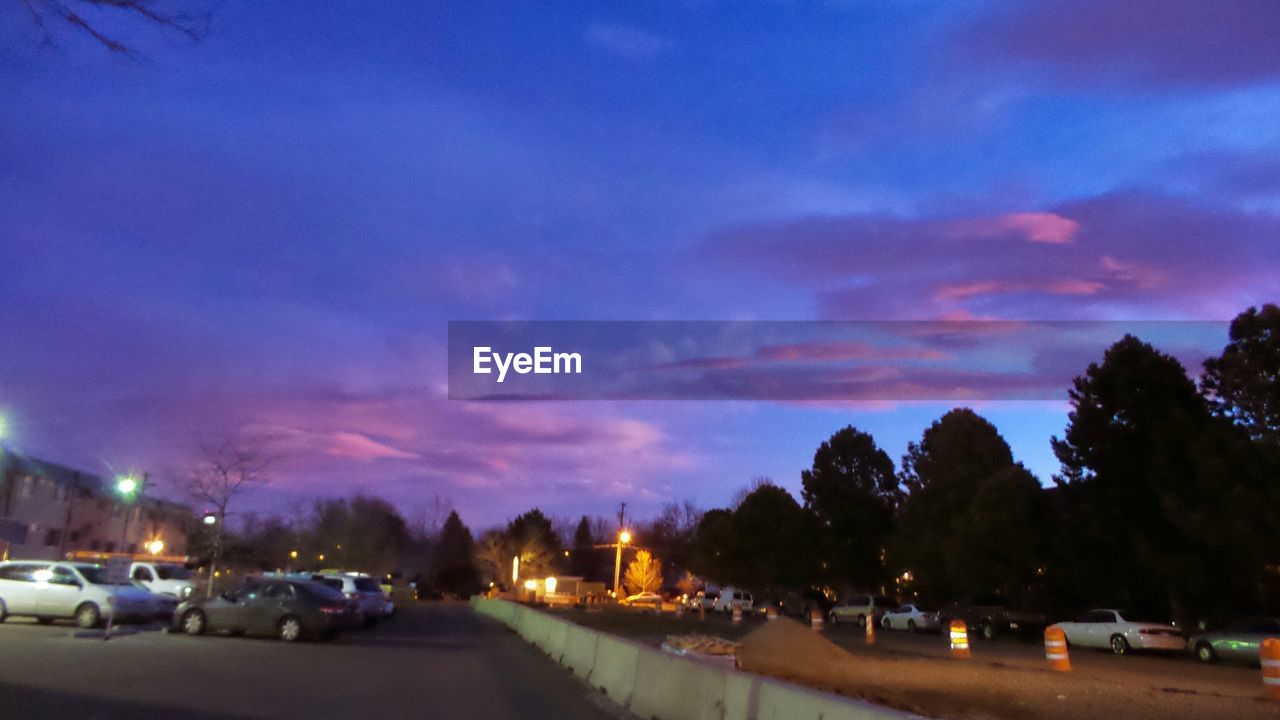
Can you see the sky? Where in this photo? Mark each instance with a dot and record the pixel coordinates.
(265, 233)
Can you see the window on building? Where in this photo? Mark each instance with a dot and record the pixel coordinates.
(28, 484)
(111, 547)
(52, 537)
(94, 545)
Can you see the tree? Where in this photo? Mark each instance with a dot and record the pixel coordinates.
(583, 557)
(532, 537)
(671, 534)
(1243, 383)
(223, 471)
(79, 15)
(1136, 492)
(971, 519)
(769, 543)
(455, 569)
(644, 574)
(493, 558)
(852, 490)
(361, 533)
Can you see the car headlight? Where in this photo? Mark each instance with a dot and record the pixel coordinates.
(186, 591)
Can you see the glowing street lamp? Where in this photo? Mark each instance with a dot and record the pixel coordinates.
(209, 519)
(127, 486)
(293, 554)
(155, 547)
(624, 537)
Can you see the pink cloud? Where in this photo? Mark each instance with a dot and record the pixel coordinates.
(836, 351)
(1040, 227)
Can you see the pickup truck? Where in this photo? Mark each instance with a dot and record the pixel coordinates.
(990, 616)
(161, 578)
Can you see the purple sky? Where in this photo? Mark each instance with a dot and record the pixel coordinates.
(267, 232)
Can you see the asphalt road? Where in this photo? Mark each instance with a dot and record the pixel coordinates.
(434, 661)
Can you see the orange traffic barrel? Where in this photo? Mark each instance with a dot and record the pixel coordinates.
(871, 630)
(1270, 656)
(1055, 649)
(815, 619)
(737, 613)
(959, 640)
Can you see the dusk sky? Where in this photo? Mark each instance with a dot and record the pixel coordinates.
(266, 232)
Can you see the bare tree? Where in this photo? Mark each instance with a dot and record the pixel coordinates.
(45, 13)
(756, 483)
(428, 517)
(223, 471)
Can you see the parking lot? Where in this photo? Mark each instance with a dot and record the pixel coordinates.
(438, 661)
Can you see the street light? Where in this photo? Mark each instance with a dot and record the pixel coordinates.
(127, 486)
(293, 554)
(155, 547)
(624, 537)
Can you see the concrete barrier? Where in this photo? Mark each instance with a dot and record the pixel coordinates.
(615, 668)
(660, 686)
(673, 688)
(557, 633)
(580, 650)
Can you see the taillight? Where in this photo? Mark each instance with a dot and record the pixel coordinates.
(353, 595)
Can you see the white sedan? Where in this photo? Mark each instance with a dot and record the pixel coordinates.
(910, 617)
(1110, 629)
(644, 598)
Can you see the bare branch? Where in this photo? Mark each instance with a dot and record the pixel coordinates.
(194, 27)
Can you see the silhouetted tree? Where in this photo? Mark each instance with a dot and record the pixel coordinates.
(532, 537)
(361, 533)
(972, 518)
(768, 544)
(455, 569)
(584, 559)
(852, 490)
(1243, 383)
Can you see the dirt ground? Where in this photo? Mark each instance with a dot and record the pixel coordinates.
(1015, 688)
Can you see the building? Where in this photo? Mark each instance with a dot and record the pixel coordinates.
(48, 510)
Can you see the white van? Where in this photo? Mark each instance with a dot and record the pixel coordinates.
(48, 591)
(732, 596)
(163, 578)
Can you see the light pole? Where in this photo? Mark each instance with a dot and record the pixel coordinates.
(129, 488)
(624, 537)
(210, 520)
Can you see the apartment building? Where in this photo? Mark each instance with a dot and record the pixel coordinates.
(48, 510)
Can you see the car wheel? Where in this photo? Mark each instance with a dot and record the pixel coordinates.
(1119, 645)
(4, 612)
(862, 621)
(988, 631)
(289, 629)
(884, 623)
(835, 619)
(193, 622)
(1205, 653)
(88, 616)
(911, 626)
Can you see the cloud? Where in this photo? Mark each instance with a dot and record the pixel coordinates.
(627, 42)
(1147, 43)
(1121, 254)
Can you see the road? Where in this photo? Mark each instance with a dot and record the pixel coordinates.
(434, 661)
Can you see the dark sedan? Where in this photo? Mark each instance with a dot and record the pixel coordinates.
(1239, 642)
(287, 609)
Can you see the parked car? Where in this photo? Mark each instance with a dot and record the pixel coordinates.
(644, 598)
(1238, 642)
(989, 616)
(861, 608)
(163, 578)
(361, 589)
(51, 590)
(1106, 628)
(287, 609)
(729, 597)
(800, 604)
(702, 600)
(911, 617)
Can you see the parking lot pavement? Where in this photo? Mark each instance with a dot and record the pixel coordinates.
(438, 661)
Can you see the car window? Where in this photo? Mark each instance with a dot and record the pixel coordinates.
(367, 585)
(95, 574)
(319, 591)
(860, 600)
(173, 572)
(143, 574)
(16, 573)
(1102, 616)
(278, 591)
(334, 583)
(245, 593)
(63, 576)
(904, 609)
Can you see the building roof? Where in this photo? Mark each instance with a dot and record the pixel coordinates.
(27, 465)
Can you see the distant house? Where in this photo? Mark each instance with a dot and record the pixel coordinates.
(48, 510)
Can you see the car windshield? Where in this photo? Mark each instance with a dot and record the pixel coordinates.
(173, 572)
(95, 574)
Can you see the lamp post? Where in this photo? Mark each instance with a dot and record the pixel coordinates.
(624, 537)
(130, 489)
